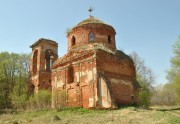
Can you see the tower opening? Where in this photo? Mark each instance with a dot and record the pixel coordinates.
(48, 59)
(35, 55)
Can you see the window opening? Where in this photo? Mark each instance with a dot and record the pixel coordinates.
(48, 59)
(73, 41)
(35, 55)
(109, 39)
(132, 97)
(51, 58)
(91, 36)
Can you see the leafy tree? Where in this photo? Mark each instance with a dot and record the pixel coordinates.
(14, 73)
(40, 101)
(163, 95)
(173, 74)
(146, 78)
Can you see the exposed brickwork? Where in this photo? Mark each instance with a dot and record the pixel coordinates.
(92, 74)
(39, 71)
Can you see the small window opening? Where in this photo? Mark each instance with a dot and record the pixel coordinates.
(73, 41)
(132, 97)
(91, 36)
(109, 39)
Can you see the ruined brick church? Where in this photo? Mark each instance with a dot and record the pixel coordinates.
(92, 74)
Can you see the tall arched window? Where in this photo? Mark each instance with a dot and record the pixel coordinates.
(48, 59)
(73, 41)
(91, 36)
(35, 55)
(109, 39)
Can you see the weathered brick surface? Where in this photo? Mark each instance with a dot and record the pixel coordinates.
(120, 72)
(40, 76)
(92, 74)
(81, 35)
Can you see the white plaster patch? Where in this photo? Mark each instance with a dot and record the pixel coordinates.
(104, 94)
(60, 84)
(35, 77)
(90, 75)
(125, 82)
(83, 73)
(91, 102)
(77, 74)
(94, 73)
(113, 80)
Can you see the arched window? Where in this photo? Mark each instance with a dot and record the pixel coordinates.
(35, 55)
(48, 59)
(91, 36)
(73, 41)
(109, 39)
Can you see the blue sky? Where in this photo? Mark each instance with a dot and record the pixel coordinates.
(148, 27)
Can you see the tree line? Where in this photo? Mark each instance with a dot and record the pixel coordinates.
(14, 74)
(164, 94)
(169, 93)
(14, 80)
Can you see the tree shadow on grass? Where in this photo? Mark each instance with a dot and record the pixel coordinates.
(9, 111)
(166, 109)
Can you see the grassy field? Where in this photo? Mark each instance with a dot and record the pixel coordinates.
(126, 115)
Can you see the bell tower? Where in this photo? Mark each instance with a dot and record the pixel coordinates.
(44, 54)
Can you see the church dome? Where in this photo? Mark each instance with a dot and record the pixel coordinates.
(91, 30)
(95, 21)
(91, 19)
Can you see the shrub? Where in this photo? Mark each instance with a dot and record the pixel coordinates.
(2, 102)
(15, 122)
(19, 102)
(56, 118)
(144, 98)
(40, 101)
(61, 100)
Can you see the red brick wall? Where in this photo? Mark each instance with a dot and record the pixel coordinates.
(122, 93)
(85, 93)
(120, 74)
(108, 62)
(101, 35)
(42, 78)
(80, 90)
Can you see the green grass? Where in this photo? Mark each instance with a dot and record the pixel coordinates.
(125, 115)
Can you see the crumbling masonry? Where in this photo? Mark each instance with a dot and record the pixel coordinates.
(92, 74)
